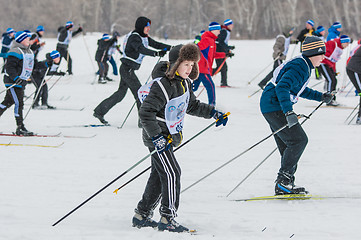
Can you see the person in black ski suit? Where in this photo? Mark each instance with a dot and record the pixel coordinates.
(18, 69)
(135, 49)
(162, 130)
(65, 34)
(40, 69)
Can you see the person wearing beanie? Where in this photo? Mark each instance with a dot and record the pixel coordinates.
(18, 69)
(207, 45)
(280, 50)
(277, 100)
(162, 131)
(51, 62)
(37, 43)
(135, 47)
(222, 46)
(101, 56)
(320, 32)
(334, 31)
(334, 50)
(353, 70)
(65, 34)
(307, 31)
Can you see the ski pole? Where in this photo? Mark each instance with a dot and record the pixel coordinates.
(352, 112)
(103, 188)
(354, 116)
(255, 92)
(131, 109)
(8, 88)
(270, 154)
(249, 82)
(199, 133)
(220, 67)
(248, 149)
(57, 80)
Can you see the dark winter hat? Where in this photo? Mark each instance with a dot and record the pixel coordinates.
(28, 32)
(311, 22)
(214, 26)
(106, 36)
(313, 46)
(54, 54)
(336, 25)
(20, 36)
(10, 30)
(227, 22)
(40, 28)
(180, 53)
(345, 39)
(320, 29)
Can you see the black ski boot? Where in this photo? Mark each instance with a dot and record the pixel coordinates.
(108, 79)
(22, 131)
(285, 185)
(101, 119)
(101, 80)
(168, 223)
(140, 221)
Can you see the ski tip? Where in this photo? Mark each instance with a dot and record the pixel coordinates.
(116, 191)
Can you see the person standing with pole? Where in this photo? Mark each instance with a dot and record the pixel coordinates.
(18, 69)
(162, 130)
(135, 48)
(288, 84)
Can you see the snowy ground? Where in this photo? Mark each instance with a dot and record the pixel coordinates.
(40, 185)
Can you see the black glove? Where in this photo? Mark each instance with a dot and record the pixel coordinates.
(232, 47)
(221, 118)
(291, 118)
(23, 82)
(160, 143)
(229, 54)
(60, 73)
(80, 29)
(327, 97)
(160, 53)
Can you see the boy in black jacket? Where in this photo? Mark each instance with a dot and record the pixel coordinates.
(65, 34)
(162, 115)
(18, 69)
(135, 49)
(40, 69)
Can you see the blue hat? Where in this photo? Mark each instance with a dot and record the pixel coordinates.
(106, 36)
(54, 54)
(214, 26)
(345, 39)
(311, 22)
(10, 30)
(320, 29)
(20, 36)
(228, 22)
(40, 28)
(69, 24)
(337, 25)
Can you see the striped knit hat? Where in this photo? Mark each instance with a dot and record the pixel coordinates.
(336, 25)
(320, 29)
(227, 22)
(313, 46)
(214, 26)
(10, 30)
(20, 36)
(345, 39)
(311, 22)
(69, 24)
(54, 54)
(106, 36)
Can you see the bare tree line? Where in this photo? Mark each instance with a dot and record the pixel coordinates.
(253, 19)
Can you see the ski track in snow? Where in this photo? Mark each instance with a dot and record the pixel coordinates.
(40, 185)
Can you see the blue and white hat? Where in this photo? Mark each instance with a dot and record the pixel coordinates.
(227, 22)
(20, 36)
(40, 28)
(69, 24)
(320, 29)
(214, 26)
(337, 25)
(54, 54)
(311, 22)
(106, 36)
(10, 30)
(345, 39)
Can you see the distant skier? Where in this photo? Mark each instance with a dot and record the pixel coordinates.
(101, 56)
(37, 44)
(135, 47)
(162, 130)
(289, 83)
(18, 69)
(65, 34)
(334, 50)
(306, 32)
(334, 31)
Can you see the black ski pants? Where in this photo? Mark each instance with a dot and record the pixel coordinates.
(41, 91)
(223, 70)
(64, 53)
(330, 76)
(356, 81)
(291, 142)
(14, 95)
(163, 185)
(128, 79)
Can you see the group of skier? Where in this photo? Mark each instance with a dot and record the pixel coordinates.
(163, 101)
